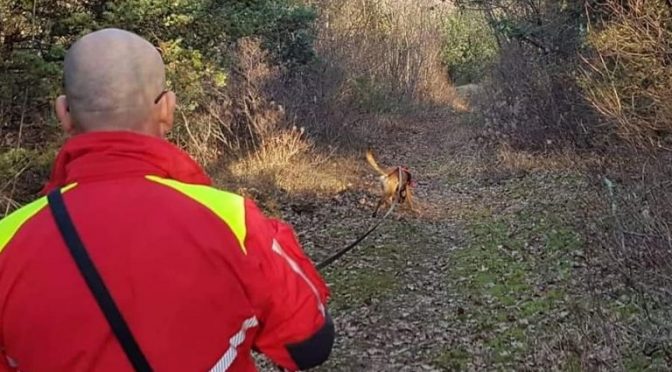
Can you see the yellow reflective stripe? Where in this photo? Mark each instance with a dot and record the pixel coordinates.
(11, 224)
(227, 206)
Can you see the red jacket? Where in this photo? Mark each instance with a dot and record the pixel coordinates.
(200, 275)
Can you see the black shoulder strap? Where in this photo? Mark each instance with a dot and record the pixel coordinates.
(95, 282)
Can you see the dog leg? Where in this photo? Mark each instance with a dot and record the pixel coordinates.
(409, 201)
(380, 204)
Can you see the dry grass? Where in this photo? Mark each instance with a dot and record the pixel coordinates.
(288, 162)
(628, 79)
(558, 160)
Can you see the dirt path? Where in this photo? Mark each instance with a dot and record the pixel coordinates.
(392, 304)
(488, 278)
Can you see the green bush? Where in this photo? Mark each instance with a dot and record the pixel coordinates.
(370, 96)
(193, 35)
(469, 46)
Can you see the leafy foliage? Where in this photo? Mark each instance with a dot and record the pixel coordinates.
(197, 39)
(469, 47)
(194, 37)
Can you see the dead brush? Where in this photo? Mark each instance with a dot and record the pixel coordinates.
(282, 147)
(638, 248)
(235, 118)
(201, 135)
(288, 161)
(262, 148)
(393, 44)
(556, 160)
(533, 103)
(628, 77)
(253, 115)
(532, 96)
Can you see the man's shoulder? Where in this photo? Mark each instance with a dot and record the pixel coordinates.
(13, 222)
(236, 210)
(212, 197)
(207, 194)
(10, 224)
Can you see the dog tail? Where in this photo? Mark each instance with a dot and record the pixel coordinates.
(373, 163)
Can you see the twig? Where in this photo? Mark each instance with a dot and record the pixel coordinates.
(18, 145)
(644, 235)
(186, 126)
(10, 203)
(23, 116)
(16, 176)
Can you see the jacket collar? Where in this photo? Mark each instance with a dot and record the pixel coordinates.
(98, 156)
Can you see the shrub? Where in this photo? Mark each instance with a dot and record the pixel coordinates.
(628, 77)
(533, 100)
(370, 97)
(469, 46)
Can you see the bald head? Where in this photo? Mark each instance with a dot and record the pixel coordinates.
(112, 79)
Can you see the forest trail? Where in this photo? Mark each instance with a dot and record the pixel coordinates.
(484, 279)
(392, 302)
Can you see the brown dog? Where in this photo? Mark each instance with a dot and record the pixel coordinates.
(396, 183)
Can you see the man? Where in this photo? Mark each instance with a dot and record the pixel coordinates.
(199, 276)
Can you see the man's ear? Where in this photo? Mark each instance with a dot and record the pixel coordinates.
(167, 112)
(63, 114)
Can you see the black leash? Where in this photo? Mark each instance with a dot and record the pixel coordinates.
(345, 250)
(95, 282)
(399, 191)
(352, 245)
